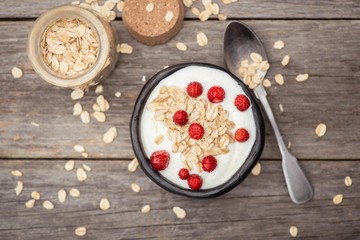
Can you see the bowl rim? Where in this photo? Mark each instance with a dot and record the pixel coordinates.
(155, 176)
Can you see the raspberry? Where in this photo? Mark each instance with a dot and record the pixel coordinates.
(196, 131)
(242, 102)
(209, 163)
(180, 118)
(194, 182)
(242, 135)
(194, 89)
(159, 160)
(184, 174)
(216, 94)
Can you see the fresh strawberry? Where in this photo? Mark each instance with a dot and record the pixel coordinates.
(194, 182)
(242, 135)
(209, 163)
(194, 89)
(159, 160)
(242, 102)
(180, 118)
(216, 94)
(196, 131)
(184, 174)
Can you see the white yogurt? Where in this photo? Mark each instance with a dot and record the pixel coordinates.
(227, 164)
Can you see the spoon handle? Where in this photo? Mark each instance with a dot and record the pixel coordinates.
(298, 185)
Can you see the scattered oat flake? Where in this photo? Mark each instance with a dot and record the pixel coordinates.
(187, 3)
(293, 231)
(195, 11)
(77, 94)
(99, 116)
(81, 174)
(143, 78)
(285, 60)
(74, 192)
(86, 167)
(289, 145)
(48, 205)
(104, 204)
(62, 195)
(69, 165)
(256, 170)
(302, 77)
(77, 110)
(19, 187)
(118, 94)
(85, 117)
(75, 2)
(279, 79)
(124, 48)
(16, 173)
(110, 135)
(99, 89)
(348, 181)
(80, 231)
(133, 165)
(222, 17)
(145, 209)
(35, 195)
(266, 83)
(320, 130)
(135, 187)
(338, 199)
(30, 203)
(179, 212)
(181, 46)
(202, 39)
(79, 148)
(120, 6)
(281, 107)
(149, 7)
(169, 16)
(204, 15)
(279, 44)
(227, 1)
(35, 124)
(16, 72)
(85, 154)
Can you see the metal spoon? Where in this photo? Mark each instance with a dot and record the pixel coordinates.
(239, 42)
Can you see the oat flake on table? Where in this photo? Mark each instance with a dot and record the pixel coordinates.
(35, 195)
(179, 212)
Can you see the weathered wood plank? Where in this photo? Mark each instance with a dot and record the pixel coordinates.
(257, 209)
(328, 50)
(244, 9)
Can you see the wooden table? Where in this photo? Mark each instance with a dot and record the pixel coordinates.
(322, 38)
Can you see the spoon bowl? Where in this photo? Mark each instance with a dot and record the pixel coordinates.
(239, 42)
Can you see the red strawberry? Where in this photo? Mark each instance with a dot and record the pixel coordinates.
(242, 102)
(216, 94)
(194, 89)
(209, 163)
(194, 182)
(196, 131)
(184, 174)
(242, 135)
(180, 118)
(159, 160)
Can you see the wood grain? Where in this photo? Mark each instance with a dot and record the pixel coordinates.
(243, 9)
(328, 50)
(257, 209)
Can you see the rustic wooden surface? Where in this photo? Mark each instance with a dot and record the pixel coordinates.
(258, 209)
(322, 38)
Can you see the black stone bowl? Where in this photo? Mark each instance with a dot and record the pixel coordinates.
(236, 179)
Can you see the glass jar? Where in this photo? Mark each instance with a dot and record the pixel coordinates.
(106, 58)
